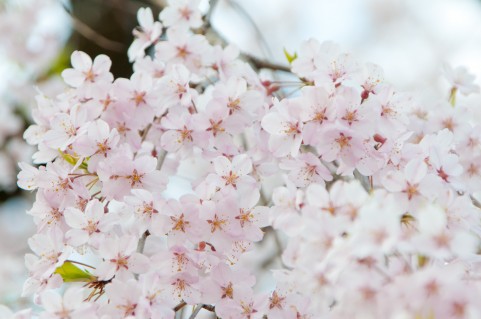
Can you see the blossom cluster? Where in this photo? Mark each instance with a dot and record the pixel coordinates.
(29, 46)
(377, 199)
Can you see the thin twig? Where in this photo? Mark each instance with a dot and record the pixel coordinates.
(209, 308)
(208, 15)
(180, 306)
(161, 159)
(79, 263)
(264, 64)
(94, 36)
(141, 244)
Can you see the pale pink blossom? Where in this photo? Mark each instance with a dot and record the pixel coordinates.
(284, 125)
(86, 72)
(459, 78)
(71, 305)
(120, 256)
(147, 34)
(182, 13)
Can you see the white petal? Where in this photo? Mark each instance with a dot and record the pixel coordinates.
(81, 61)
(222, 166)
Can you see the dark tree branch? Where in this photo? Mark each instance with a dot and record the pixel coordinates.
(94, 36)
(180, 306)
(264, 64)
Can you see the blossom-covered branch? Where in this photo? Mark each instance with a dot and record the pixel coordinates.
(370, 191)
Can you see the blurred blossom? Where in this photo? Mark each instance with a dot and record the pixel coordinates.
(15, 227)
(33, 35)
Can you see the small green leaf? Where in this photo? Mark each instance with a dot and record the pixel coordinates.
(68, 158)
(84, 165)
(290, 57)
(452, 96)
(72, 273)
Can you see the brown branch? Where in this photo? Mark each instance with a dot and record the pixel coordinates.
(209, 308)
(264, 64)
(94, 36)
(180, 306)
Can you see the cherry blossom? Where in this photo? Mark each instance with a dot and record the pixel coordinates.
(120, 256)
(190, 184)
(148, 32)
(460, 79)
(182, 13)
(86, 72)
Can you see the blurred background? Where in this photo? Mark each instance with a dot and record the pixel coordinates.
(409, 39)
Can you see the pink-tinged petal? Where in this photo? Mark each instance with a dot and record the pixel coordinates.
(139, 263)
(84, 146)
(105, 270)
(280, 145)
(56, 139)
(146, 164)
(81, 61)
(145, 18)
(155, 181)
(75, 218)
(142, 82)
(247, 188)
(394, 181)
(115, 189)
(171, 141)
(261, 216)
(415, 171)
(102, 64)
(99, 130)
(123, 88)
(77, 237)
(432, 220)
(274, 123)
(136, 49)
(317, 195)
(222, 166)
(51, 301)
(242, 164)
(95, 209)
(73, 298)
(73, 77)
(34, 134)
(27, 178)
(201, 122)
(127, 245)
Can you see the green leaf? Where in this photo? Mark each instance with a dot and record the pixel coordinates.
(452, 96)
(72, 160)
(72, 273)
(68, 158)
(84, 165)
(290, 57)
